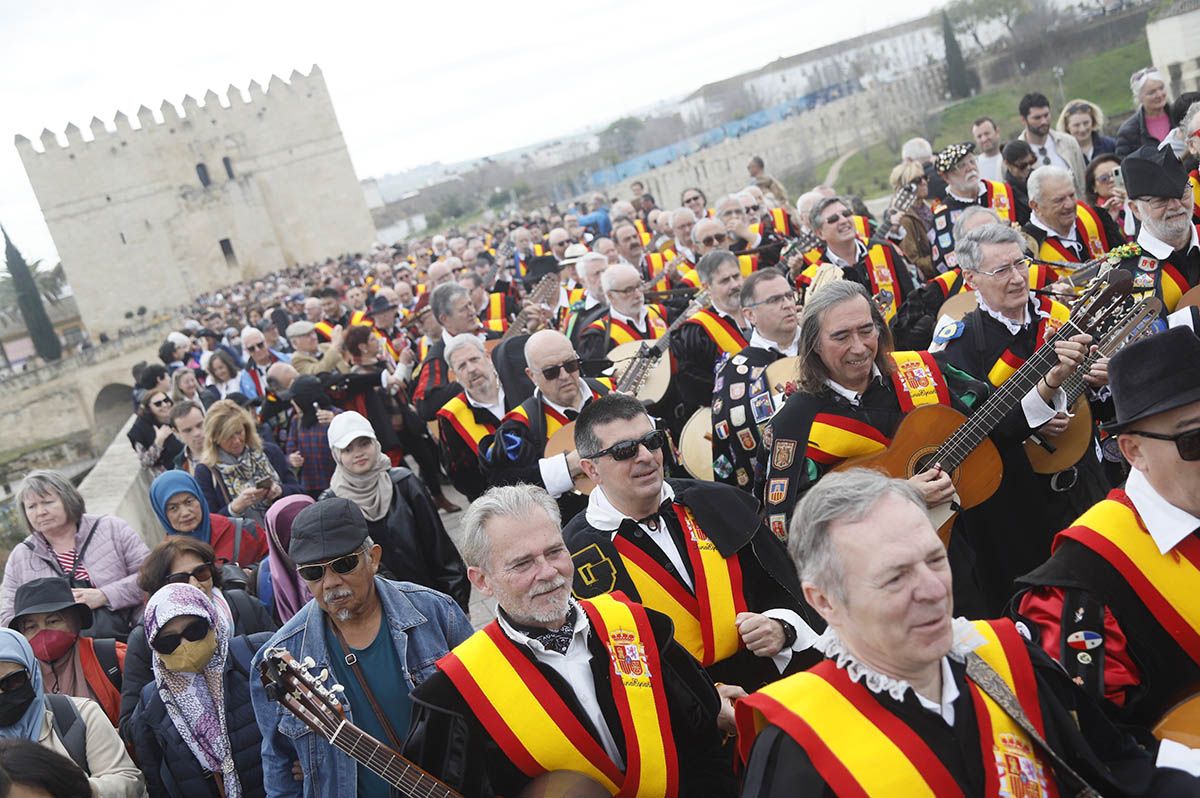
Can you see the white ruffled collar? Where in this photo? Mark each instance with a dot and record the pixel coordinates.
(966, 640)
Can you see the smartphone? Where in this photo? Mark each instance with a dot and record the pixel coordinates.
(264, 484)
(1118, 179)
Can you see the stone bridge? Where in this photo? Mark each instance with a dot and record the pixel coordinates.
(82, 400)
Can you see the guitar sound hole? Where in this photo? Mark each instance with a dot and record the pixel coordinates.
(924, 461)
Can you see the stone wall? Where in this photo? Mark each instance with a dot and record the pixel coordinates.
(118, 485)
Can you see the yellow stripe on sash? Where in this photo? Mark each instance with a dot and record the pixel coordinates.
(654, 595)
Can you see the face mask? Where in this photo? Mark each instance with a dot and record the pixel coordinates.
(49, 645)
(14, 703)
(191, 657)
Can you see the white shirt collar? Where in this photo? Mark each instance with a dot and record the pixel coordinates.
(585, 393)
(578, 637)
(640, 322)
(1167, 524)
(603, 516)
(589, 301)
(760, 342)
(496, 409)
(1038, 223)
(1013, 327)
(860, 249)
(852, 396)
(982, 191)
(1159, 248)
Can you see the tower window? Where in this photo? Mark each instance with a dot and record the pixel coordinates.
(228, 167)
(227, 251)
(202, 173)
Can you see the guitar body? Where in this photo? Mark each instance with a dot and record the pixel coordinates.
(958, 305)
(658, 379)
(1190, 299)
(914, 446)
(695, 445)
(1069, 447)
(1181, 723)
(563, 442)
(781, 372)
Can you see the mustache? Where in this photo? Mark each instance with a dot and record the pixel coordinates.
(336, 593)
(549, 587)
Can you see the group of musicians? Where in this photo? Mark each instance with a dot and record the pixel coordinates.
(765, 616)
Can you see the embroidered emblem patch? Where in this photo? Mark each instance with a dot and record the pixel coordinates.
(742, 477)
(722, 467)
(722, 429)
(629, 655)
(783, 453)
(768, 435)
(746, 439)
(1147, 264)
(762, 407)
(737, 391)
(737, 416)
(778, 524)
(777, 490)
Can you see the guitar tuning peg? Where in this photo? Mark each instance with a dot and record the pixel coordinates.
(308, 662)
(323, 675)
(337, 688)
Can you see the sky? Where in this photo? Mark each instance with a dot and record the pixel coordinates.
(411, 82)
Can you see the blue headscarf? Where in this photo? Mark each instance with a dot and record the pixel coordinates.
(15, 648)
(169, 484)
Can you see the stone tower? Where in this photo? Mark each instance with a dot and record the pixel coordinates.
(154, 215)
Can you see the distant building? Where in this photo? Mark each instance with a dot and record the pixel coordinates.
(1174, 37)
(154, 215)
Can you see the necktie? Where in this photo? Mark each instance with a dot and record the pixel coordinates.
(571, 415)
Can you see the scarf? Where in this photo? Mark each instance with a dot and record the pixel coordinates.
(167, 486)
(66, 676)
(245, 471)
(15, 648)
(195, 702)
(290, 591)
(372, 491)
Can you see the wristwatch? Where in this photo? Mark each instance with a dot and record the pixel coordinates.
(789, 633)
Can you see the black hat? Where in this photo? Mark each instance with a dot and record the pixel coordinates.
(324, 531)
(381, 304)
(948, 158)
(538, 267)
(305, 390)
(1153, 172)
(204, 332)
(47, 594)
(1154, 375)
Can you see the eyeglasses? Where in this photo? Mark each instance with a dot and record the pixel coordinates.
(1023, 165)
(625, 450)
(14, 681)
(201, 573)
(552, 372)
(833, 218)
(1021, 264)
(623, 291)
(752, 208)
(166, 401)
(778, 301)
(1158, 203)
(1045, 157)
(713, 240)
(1104, 178)
(196, 630)
(253, 347)
(342, 565)
(1186, 443)
(690, 200)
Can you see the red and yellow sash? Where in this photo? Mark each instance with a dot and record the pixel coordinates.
(726, 336)
(536, 729)
(783, 223)
(360, 318)
(497, 308)
(862, 749)
(950, 283)
(1090, 233)
(1008, 363)
(324, 330)
(1173, 285)
(642, 231)
(832, 439)
(881, 271)
(918, 380)
(1194, 180)
(620, 332)
(704, 622)
(999, 197)
(459, 414)
(1167, 584)
(862, 227)
(748, 264)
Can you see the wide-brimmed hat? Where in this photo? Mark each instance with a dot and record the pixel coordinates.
(573, 253)
(48, 594)
(950, 157)
(1154, 375)
(381, 304)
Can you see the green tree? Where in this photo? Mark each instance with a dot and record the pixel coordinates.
(956, 68)
(620, 138)
(29, 300)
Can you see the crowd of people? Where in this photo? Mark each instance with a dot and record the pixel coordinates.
(661, 419)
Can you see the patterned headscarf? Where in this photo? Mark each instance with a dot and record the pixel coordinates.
(167, 486)
(290, 591)
(15, 648)
(195, 701)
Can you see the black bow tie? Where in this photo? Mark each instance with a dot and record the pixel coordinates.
(571, 415)
(654, 520)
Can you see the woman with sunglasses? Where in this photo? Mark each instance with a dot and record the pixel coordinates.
(27, 712)
(151, 434)
(182, 560)
(401, 516)
(1103, 193)
(194, 730)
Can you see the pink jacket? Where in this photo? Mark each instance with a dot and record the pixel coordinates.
(112, 560)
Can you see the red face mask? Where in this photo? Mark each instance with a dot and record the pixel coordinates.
(49, 645)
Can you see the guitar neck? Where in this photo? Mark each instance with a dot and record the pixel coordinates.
(397, 771)
(632, 379)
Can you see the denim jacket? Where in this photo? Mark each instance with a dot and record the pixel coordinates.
(424, 624)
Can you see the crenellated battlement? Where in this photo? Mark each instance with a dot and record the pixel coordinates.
(232, 101)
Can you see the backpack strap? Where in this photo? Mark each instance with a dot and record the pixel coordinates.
(70, 728)
(106, 655)
(237, 539)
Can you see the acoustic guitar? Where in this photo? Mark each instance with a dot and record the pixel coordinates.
(540, 296)
(1190, 299)
(1049, 456)
(1181, 723)
(939, 434)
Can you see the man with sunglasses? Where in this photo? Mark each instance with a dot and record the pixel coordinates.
(742, 401)
(707, 235)
(1116, 602)
(696, 551)
(378, 638)
(1167, 264)
(514, 454)
(742, 214)
(259, 357)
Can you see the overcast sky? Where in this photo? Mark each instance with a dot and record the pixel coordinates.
(412, 82)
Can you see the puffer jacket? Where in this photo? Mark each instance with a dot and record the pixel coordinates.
(112, 560)
(170, 767)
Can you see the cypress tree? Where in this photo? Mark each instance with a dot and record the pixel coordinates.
(956, 68)
(29, 300)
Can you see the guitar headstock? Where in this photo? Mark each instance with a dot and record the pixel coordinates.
(905, 197)
(292, 683)
(1102, 303)
(803, 242)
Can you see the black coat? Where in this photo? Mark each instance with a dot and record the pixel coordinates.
(170, 767)
(415, 545)
(1133, 133)
(142, 432)
(249, 617)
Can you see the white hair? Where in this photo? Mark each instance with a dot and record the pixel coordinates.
(616, 271)
(1038, 177)
(1139, 79)
(917, 149)
(582, 267)
(507, 501)
(457, 342)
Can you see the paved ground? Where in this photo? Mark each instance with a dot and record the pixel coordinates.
(483, 609)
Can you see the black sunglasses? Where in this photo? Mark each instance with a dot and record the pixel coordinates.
(832, 218)
(624, 450)
(14, 681)
(551, 372)
(196, 630)
(342, 565)
(1186, 443)
(709, 241)
(166, 401)
(1045, 157)
(202, 573)
(254, 347)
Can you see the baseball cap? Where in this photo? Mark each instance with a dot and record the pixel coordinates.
(348, 426)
